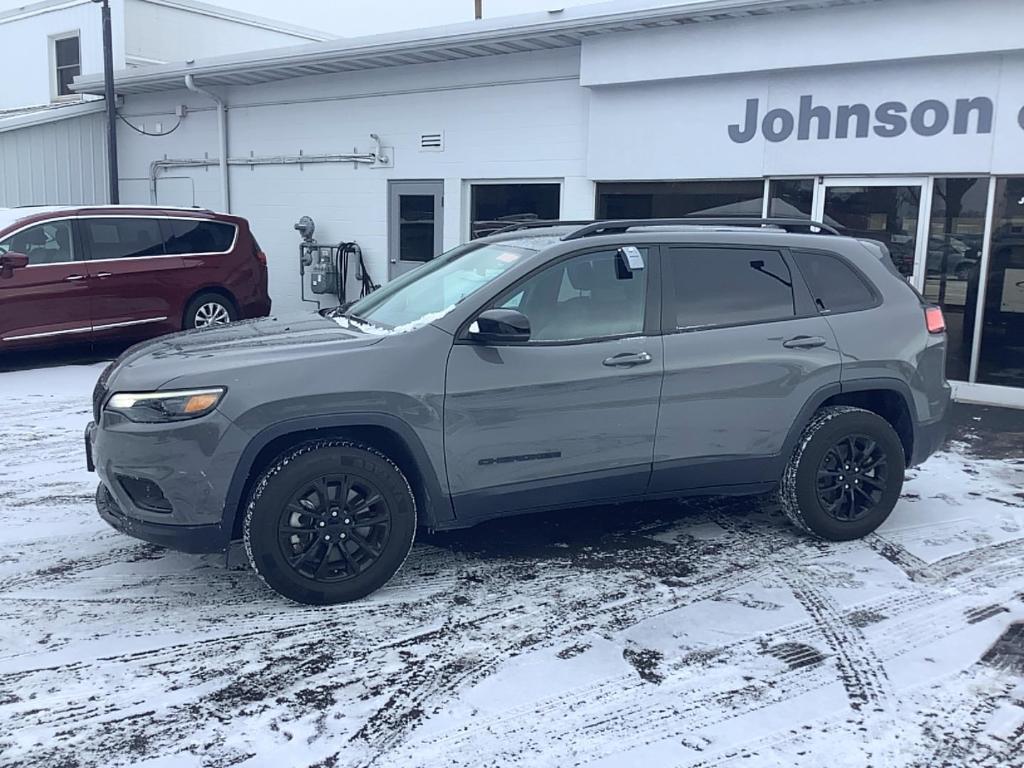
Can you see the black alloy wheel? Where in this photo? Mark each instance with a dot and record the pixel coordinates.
(852, 478)
(334, 528)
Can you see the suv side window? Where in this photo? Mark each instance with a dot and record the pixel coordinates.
(708, 287)
(198, 236)
(590, 296)
(835, 286)
(122, 238)
(47, 243)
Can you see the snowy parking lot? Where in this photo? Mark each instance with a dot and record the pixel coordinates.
(702, 633)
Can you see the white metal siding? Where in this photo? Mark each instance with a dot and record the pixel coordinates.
(63, 162)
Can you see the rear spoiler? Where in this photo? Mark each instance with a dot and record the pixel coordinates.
(881, 252)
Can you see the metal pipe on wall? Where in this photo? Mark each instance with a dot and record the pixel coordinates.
(222, 134)
(365, 158)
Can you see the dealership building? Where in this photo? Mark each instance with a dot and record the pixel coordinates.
(897, 120)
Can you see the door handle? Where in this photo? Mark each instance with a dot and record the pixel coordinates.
(804, 342)
(103, 274)
(72, 278)
(628, 359)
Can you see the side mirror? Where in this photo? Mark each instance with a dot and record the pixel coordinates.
(11, 261)
(500, 326)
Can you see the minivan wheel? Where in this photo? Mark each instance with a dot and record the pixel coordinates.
(329, 522)
(845, 474)
(209, 309)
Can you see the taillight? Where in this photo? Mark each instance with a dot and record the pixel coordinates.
(934, 320)
(261, 257)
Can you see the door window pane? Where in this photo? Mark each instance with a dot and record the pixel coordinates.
(494, 206)
(886, 214)
(791, 198)
(198, 236)
(1001, 359)
(955, 234)
(833, 283)
(675, 199)
(585, 297)
(727, 286)
(122, 238)
(48, 243)
(416, 227)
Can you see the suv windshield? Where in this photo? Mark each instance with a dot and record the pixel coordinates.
(430, 291)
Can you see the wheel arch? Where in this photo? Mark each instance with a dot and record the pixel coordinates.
(889, 398)
(388, 434)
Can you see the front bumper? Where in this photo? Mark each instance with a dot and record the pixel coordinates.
(184, 538)
(191, 463)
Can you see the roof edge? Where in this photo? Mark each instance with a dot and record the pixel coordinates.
(580, 20)
(50, 114)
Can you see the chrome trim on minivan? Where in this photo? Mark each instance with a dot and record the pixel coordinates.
(87, 329)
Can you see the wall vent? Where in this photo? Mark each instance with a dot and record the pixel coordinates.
(431, 142)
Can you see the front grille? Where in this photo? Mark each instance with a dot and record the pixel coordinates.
(99, 392)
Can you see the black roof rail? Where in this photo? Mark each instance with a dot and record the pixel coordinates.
(616, 226)
(512, 226)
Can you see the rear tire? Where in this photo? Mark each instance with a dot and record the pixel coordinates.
(845, 474)
(208, 309)
(329, 522)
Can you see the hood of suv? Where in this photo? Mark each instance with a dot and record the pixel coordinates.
(214, 352)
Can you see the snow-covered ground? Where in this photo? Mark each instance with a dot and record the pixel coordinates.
(695, 634)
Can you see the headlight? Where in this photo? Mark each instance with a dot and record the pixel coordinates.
(166, 406)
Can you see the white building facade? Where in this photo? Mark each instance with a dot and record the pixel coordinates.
(898, 120)
(47, 44)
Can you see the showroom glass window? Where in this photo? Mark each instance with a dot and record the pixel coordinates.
(590, 296)
(956, 232)
(726, 286)
(674, 199)
(791, 198)
(493, 206)
(1001, 356)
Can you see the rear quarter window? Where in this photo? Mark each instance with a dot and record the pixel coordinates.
(198, 236)
(834, 284)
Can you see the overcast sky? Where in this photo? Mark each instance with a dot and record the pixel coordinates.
(366, 17)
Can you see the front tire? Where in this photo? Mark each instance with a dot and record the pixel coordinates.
(845, 474)
(329, 522)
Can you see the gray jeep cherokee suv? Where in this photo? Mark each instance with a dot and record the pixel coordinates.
(534, 369)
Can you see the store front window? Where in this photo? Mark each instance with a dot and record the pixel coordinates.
(884, 212)
(675, 199)
(494, 206)
(956, 231)
(1001, 356)
(791, 198)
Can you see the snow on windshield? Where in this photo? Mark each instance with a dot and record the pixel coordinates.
(376, 330)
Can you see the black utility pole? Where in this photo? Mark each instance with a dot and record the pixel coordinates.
(108, 94)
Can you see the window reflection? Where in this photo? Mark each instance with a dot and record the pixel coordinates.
(791, 198)
(955, 233)
(1001, 357)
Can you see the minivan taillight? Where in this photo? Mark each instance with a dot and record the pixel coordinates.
(934, 320)
(261, 257)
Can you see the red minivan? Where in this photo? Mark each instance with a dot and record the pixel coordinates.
(124, 273)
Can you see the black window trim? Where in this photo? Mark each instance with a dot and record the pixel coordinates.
(803, 302)
(652, 300)
(876, 296)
